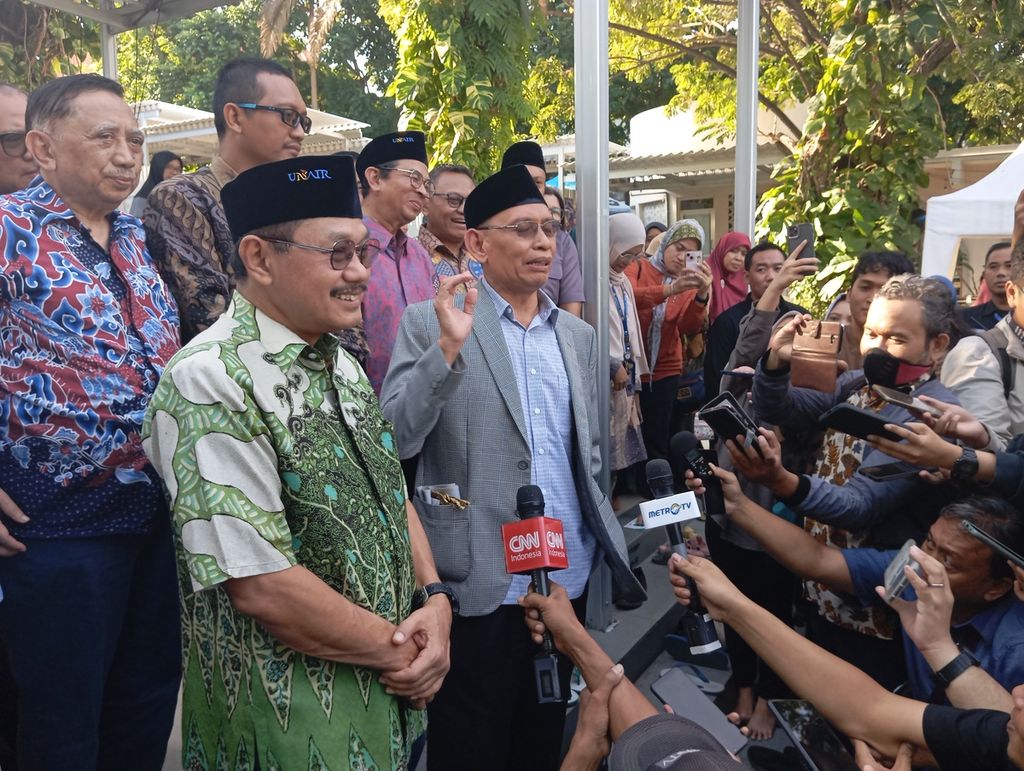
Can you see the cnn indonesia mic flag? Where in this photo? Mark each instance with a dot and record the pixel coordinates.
(534, 544)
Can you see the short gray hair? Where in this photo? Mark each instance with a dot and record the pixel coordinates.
(52, 101)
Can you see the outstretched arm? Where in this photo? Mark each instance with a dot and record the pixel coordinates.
(852, 701)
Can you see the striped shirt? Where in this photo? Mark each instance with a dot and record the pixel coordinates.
(544, 391)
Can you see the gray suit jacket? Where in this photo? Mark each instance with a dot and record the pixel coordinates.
(466, 423)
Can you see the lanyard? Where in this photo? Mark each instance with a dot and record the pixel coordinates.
(627, 349)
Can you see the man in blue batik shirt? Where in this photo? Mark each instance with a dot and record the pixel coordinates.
(90, 608)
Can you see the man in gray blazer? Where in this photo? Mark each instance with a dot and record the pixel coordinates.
(493, 391)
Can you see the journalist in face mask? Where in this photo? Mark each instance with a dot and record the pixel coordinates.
(906, 333)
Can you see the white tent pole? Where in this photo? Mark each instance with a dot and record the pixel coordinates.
(747, 50)
(591, 62)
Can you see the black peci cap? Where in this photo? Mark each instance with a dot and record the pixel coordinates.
(300, 188)
(509, 187)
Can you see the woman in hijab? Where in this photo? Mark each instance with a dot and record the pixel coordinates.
(671, 301)
(626, 346)
(727, 268)
(163, 165)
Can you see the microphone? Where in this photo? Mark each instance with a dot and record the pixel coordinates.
(685, 452)
(671, 509)
(535, 544)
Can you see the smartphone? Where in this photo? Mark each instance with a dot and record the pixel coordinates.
(693, 260)
(797, 233)
(886, 471)
(908, 402)
(737, 373)
(818, 744)
(997, 546)
(855, 422)
(677, 690)
(894, 579)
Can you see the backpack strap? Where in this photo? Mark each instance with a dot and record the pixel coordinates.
(998, 342)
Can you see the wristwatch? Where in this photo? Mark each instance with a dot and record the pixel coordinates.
(431, 589)
(965, 468)
(954, 669)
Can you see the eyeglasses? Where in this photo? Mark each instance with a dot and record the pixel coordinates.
(289, 117)
(528, 228)
(341, 253)
(418, 181)
(13, 143)
(455, 200)
(556, 212)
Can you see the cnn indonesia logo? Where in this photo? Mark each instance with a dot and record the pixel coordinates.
(521, 542)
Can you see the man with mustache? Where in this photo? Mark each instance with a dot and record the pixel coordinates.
(260, 117)
(90, 610)
(393, 174)
(314, 623)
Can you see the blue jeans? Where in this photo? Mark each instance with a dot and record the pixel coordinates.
(93, 634)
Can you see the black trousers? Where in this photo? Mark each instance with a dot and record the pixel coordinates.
(657, 401)
(486, 714)
(768, 584)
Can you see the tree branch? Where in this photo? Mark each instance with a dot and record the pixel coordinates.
(812, 34)
(789, 55)
(770, 105)
(936, 54)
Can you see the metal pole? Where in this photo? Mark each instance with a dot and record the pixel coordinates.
(747, 51)
(108, 50)
(591, 63)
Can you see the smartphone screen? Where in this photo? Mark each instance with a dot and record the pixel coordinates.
(813, 736)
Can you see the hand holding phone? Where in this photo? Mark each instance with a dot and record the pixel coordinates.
(895, 579)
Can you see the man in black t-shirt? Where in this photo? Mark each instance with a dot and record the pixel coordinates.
(952, 739)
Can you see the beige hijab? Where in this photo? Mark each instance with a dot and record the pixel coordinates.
(625, 231)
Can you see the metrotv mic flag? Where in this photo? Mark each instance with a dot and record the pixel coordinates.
(536, 543)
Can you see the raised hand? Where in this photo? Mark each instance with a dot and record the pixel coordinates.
(456, 324)
(920, 446)
(795, 268)
(780, 349)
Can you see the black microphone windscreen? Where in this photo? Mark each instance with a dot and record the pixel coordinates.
(530, 501)
(656, 468)
(680, 444)
(659, 478)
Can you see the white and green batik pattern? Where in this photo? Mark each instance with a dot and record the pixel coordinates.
(275, 453)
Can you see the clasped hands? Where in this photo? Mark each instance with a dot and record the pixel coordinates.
(429, 630)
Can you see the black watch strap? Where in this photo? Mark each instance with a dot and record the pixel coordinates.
(954, 669)
(431, 589)
(965, 468)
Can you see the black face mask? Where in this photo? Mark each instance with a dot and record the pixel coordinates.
(884, 369)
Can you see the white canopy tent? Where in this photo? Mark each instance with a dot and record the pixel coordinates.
(972, 218)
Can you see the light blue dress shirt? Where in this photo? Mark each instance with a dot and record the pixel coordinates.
(547, 408)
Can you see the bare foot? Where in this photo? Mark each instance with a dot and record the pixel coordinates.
(762, 721)
(745, 704)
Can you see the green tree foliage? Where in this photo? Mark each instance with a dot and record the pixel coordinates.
(888, 84)
(38, 43)
(462, 66)
(178, 62)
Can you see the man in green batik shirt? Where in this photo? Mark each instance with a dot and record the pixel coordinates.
(298, 551)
